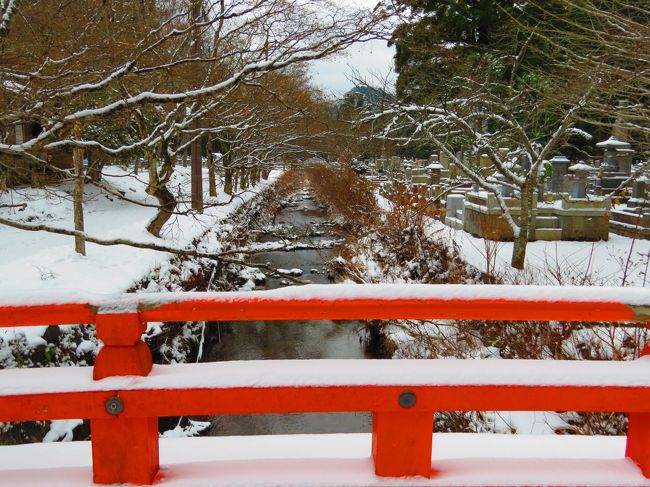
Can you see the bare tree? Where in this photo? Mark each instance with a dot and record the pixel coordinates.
(142, 79)
(520, 120)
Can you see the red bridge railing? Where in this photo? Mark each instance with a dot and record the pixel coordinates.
(402, 394)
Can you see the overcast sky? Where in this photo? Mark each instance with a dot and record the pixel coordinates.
(370, 59)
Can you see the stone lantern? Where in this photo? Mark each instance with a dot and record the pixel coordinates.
(582, 173)
(618, 155)
(617, 163)
(434, 170)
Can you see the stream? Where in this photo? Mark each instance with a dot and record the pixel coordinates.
(281, 340)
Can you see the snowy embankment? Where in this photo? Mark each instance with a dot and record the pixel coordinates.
(41, 261)
(343, 460)
(616, 262)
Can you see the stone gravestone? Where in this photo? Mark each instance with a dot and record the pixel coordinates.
(560, 166)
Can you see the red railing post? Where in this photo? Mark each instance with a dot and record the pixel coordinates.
(638, 441)
(124, 450)
(637, 447)
(124, 352)
(402, 441)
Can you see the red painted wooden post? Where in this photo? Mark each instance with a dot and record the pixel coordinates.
(638, 435)
(125, 450)
(124, 352)
(402, 441)
(638, 441)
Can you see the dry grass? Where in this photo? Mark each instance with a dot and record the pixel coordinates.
(348, 196)
(287, 184)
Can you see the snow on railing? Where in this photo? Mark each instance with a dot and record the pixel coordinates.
(127, 394)
(342, 302)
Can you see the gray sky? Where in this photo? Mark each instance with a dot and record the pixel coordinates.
(370, 59)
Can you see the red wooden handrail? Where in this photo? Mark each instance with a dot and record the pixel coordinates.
(124, 416)
(341, 302)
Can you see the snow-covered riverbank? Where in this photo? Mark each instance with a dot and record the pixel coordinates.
(45, 261)
(620, 261)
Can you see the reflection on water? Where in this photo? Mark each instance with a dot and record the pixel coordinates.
(281, 340)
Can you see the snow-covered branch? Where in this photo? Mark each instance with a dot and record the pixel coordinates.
(7, 10)
(188, 252)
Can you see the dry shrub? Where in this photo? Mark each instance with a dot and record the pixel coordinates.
(348, 195)
(286, 185)
(525, 340)
(412, 246)
(411, 205)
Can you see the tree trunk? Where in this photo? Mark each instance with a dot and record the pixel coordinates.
(158, 189)
(167, 205)
(197, 174)
(197, 149)
(235, 180)
(212, 180)
(243, 179)
(526, 226)
(152, 169)
(78, 192)
(227, 185)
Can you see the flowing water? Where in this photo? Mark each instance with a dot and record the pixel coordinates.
(290, 339)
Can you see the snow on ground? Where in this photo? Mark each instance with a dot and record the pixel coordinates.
(599, 263)
(342, 460)
(40, 261)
